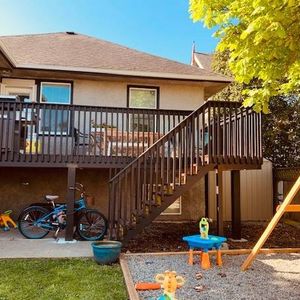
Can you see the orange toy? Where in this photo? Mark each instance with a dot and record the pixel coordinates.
(169, 282)
(5, 219)
(145, 286)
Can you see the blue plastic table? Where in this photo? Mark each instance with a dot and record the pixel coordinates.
(197, 242)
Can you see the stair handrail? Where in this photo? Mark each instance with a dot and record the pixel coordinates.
(217, 132)
(164, 137)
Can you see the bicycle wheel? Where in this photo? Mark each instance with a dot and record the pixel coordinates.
(91, 225)
(27, 222)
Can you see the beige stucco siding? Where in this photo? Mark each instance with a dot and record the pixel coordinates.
(21, 187)
(173, 95)
(100, 93)
(256, 194)
(192, 205)
(114, 93)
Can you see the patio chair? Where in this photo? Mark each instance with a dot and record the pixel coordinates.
(83, 143)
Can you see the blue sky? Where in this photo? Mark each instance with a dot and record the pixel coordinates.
(160, 27)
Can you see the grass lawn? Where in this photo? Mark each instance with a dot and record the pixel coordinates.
(60, 279)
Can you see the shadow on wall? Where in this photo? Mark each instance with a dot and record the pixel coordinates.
(23, 186)
(192, 205)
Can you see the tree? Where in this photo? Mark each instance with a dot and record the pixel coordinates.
(281, 132)
(262, 38)
(281, 128)
(233, 91)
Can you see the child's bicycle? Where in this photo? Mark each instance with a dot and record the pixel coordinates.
(36, 221)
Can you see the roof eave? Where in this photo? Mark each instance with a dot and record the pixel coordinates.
(5, 52)
(125, 73)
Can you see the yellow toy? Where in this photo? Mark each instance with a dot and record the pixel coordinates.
(5, 219)
(169, 282)
(204, 228)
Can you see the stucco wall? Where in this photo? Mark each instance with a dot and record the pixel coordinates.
(114, 93)
(23, 186)
(173, 95)
(192, 205)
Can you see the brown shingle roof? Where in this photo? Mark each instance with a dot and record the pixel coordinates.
(203, 60)
(76, 52)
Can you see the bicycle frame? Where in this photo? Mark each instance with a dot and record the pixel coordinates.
(45, 224)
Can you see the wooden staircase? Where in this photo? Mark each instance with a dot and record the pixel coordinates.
(217, 133)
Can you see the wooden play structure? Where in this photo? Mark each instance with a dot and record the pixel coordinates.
(284, 207)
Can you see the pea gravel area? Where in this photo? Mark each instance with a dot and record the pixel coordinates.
(272, 276)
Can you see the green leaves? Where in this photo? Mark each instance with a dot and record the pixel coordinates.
(262, 38)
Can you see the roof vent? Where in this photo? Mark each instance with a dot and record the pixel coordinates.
(71, 32)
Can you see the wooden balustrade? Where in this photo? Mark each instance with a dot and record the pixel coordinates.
(52, 134)
(217, 133)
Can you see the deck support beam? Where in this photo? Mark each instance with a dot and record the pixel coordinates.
(206, 193)
(70, 202)
(219, 201)
(236, 205)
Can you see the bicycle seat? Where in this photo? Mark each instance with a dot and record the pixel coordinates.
(51, 197)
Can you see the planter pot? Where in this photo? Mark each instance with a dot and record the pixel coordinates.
(106, 252)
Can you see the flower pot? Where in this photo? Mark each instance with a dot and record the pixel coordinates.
(106, 252)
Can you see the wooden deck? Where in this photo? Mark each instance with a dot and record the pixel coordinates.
(52, 135)
(154, 155)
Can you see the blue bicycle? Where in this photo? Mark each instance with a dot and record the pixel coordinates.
(36, 221)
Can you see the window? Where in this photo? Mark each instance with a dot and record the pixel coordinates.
(174, 209)
(55, 121)
(146, 98)
(143, 97)
(57, 93)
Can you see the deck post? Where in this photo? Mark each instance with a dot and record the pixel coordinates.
(236, 204)
(70, 202)
(219, 201)
(206, 185)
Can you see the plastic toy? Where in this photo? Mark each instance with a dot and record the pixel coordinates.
(5, 219)
(169, 283)
(146, 286)
(204, 228)
(204, 244)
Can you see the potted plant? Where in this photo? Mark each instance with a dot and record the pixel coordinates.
(106, 252)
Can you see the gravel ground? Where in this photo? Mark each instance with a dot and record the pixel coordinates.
(272, 276)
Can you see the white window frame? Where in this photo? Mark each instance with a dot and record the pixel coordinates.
(155, 89)
(21, 86)
(177, 213)
(143, 89)
(40, 100)
(55, 84)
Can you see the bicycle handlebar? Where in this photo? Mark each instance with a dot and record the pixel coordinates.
(79, 189)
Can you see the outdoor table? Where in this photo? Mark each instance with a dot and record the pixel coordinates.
(204, 244)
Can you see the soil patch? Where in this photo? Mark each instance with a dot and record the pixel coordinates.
(160, 237)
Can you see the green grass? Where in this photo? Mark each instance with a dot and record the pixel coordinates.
(60, 279)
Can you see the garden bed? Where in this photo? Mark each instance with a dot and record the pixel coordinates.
(160, 237)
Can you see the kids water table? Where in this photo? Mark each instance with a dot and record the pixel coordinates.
(204, 244)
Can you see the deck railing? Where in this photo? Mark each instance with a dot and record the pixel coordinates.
(216, 133)
(58, 134)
